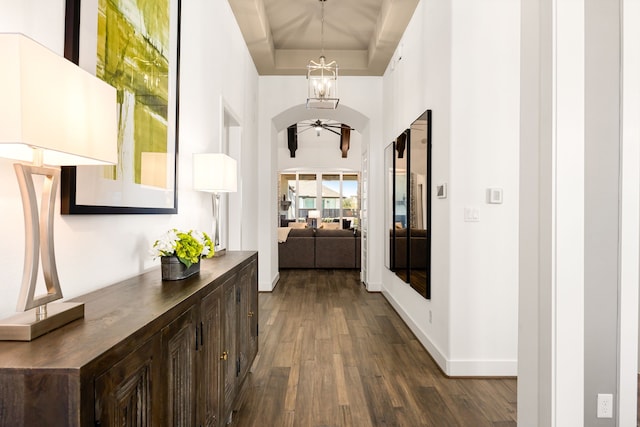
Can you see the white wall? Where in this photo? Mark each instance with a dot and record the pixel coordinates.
(95, 251)
(579, 247)
(412, 84)
(602, 213)
(630, 214)
(551, 318)
(461, 59)
(532, 406)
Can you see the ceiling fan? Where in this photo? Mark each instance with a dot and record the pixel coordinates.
(319, 125)
(340, 129)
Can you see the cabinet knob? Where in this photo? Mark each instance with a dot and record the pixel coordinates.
(251, 314)
(224, 356)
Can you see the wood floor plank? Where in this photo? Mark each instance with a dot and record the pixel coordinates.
(341, 383)
(269, 405)
(294, 375)
(358, 404)
(304, 398)
(345, 343)
(466, 412)
(346, 419)
(291, 396)
(332, 354)
(340, 321)
(437, 411)
(493, 409)
(376, 394)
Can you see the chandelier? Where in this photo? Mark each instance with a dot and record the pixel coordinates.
(322, 78)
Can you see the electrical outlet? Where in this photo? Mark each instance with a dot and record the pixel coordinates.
(430, 317)
(605, 405)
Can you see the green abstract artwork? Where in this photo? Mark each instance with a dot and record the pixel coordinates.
(133, 45)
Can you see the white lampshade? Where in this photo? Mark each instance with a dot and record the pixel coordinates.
(51, 104)
(52, 113)
(214, 173)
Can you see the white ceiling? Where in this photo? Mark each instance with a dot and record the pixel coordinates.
(361, 35)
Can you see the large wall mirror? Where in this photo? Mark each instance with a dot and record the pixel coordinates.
(408, 207)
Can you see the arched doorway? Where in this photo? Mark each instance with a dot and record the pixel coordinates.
(348, 116)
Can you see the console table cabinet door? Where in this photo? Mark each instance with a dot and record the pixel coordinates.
(247, 318)
(210, 373)
(125, 393)
(253, 318)
(179, 351)
(230, 354)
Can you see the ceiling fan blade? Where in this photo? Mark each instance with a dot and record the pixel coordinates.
(339, 126)
(331, 130)
(304, 130)
(328, 125)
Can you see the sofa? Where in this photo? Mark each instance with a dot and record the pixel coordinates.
(320, 248)
(299, 249)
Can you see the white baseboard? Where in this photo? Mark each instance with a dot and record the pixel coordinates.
(374, 287)
(455, 368)
(482, 368)
(265, 286)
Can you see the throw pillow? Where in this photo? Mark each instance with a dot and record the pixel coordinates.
(331, 225)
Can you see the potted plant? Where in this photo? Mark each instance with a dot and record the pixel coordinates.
(180, 252)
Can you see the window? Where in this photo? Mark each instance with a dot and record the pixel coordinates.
(331, 198)
(351, 199)
(288, 192)
(307, 195)
(335, 195)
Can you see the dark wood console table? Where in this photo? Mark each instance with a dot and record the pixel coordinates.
(147, 353)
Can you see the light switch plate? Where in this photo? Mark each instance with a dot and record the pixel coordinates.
(494, 196)
(441, 191)
(471, 214)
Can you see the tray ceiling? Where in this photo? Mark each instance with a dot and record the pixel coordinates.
(361, 35)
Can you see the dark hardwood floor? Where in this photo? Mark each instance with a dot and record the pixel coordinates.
(333, 354)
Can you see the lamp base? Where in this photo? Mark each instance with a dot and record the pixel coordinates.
(27, 327)
(220, 252)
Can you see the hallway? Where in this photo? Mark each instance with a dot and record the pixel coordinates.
(333, 354)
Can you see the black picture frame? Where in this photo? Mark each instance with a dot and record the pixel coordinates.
(69, 174)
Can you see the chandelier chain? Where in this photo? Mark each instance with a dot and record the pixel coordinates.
(322, 76)
(322, 28)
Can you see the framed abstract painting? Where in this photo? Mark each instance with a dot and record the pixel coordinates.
(135, 47)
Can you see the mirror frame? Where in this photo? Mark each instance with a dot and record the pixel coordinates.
(408, 248)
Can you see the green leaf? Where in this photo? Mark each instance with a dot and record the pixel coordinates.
(185, 261)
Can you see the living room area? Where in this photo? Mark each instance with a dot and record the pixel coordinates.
(319, 220)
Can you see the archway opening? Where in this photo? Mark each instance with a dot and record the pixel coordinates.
(320, 154)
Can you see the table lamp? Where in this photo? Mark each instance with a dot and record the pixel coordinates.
(215, 173)
(52, 114)
(314, 215)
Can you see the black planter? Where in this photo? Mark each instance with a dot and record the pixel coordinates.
(173, 269)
